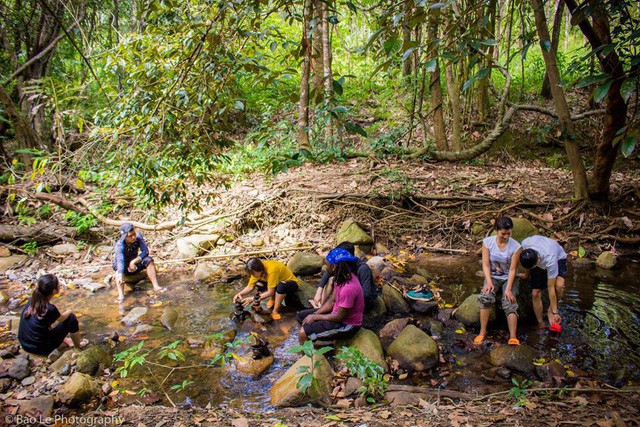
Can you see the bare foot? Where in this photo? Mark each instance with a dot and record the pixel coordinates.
(83, 343)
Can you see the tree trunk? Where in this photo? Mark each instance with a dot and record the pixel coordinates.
(483, 85)
(615, 117)
(24, 133)
(327, 77)
(317, 66)
(305, 53)
(435, 86)
(407, 65)
(555, 40)
(453, 87)
(572, 148)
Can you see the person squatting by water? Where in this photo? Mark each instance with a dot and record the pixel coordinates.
(42, 327)
(365, 277)
(131, 258)
(341, 315)
(272, 280)
(500, 256)
(546, 264)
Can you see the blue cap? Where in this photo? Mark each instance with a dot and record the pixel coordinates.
(126, 227)
(338, 254)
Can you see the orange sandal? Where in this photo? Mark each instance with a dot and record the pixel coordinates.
(479, 340)
(270, 303)
(514, 341)
(276, 316)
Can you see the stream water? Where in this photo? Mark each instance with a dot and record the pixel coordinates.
(600, 338)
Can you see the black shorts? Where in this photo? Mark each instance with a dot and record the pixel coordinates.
(288, 288)
(142, 265)
(538, 277)
(325, 330)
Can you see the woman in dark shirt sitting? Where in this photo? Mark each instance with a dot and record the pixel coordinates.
(42, 327)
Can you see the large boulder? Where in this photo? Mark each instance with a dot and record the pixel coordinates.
(305, 263)
(196, 244)
(394, 301)
(66, 359)
(40, 407)
(391, 330)
(80, 388)
(305, 293)
(285, 393)
(606, 260)
(369, 345)
(423, 307)
(64, 249)
(349, 231)
(133, 317)
(522, 228)
(517, 358)
(374, 316)
(414, 350)
(469, 311)
(377, 264)
(7, 263)
(551, 372)
(93, 360)
(205, 270)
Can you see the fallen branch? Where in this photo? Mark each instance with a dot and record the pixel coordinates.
(261, 252)
(561, 389)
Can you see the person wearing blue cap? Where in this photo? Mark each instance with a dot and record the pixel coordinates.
(341, 315)
(132, 257)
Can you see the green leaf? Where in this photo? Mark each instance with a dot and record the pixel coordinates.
(431, 65)
(546, 45)
(628, 145)
(589, 80)
(333, 417)
(323, 350)
(391, 45)
(407, 53)
(337, 87)
(354, 128)
(581, 252)
(627, 88)
(273, 46)
(333, 19)
(601, 91)
(304, 383)
(489, 42)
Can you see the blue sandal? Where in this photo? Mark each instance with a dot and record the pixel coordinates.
(421, 295)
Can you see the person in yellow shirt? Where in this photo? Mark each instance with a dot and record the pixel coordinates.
(272, 280)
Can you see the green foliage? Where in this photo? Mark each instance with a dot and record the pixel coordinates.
(31, 248)
(229, 348)
(396, 184)
(170, 351)
(308, 380)
(371, 374)
(129, 359)
(519, 391)
(555, 160)
(25, 213)
(388, 142)
(182, 386)
(81, 222)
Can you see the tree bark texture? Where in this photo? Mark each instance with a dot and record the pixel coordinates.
(435, 86)
(327, 75)
(407, 66)
(545, 92)
(615, 118)
(580, 183)
(317, 64)
(305, 54)
(483, 85)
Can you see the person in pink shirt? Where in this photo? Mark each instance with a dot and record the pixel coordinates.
(341, 315)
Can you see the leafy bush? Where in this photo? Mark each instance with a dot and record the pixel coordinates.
(307, 380)
(81, 222)
(371, 374)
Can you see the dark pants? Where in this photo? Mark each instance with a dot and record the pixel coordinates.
(55, 337)
(325, 330)
(538, 277)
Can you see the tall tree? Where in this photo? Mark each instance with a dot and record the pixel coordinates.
(305, 54)
(435, 85)
(581, 190)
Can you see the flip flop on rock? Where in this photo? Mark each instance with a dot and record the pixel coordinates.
(479, 340)
(514, 342)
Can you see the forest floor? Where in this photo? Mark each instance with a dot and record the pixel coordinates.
(411, 206)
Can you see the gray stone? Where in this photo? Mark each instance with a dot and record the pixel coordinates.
(388, 274)
(64, 249)
(423, 307)
(197, 244)
(436, 328)
(305, 263)
(7, 263)
(517, 358)
(133, 317)
(382, 249)
(369, 345)
(551, 372)
(377, 264)
(606, 260)
(403, 398)
(305, 293)
(39, 407)
(17, 368)
(394, 301)
(143, 330)
(349, 231)
(414, 350)
(169, 317)
(391, 330)
(93, 360)
(78, 389)
(205, 270)
(89, 284)
(5, 384)
(104, 249)
(351, 386)
(67, 358)
(28, 381)
(469, 311)
(374, 316)
(285, 393)
(10, 322)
